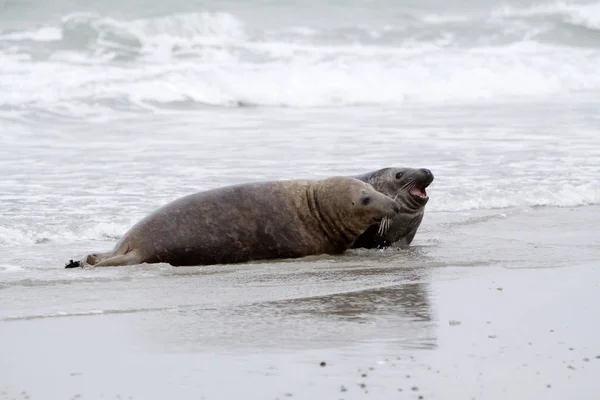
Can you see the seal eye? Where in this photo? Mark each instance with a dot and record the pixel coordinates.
(399, 175)
(365, 200)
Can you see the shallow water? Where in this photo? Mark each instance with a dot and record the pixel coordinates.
(110, 111)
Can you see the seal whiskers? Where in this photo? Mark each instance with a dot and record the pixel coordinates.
(408, 187)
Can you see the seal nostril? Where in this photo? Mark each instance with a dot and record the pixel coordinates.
(427, 172)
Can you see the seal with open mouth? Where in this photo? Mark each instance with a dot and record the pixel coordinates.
(409, 187)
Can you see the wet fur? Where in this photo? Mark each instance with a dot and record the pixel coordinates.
(253, 221)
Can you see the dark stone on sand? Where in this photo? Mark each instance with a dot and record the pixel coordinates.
(323, 363)
(343, 389)
(362, 385)
(414, 388)
(73, 264)
(586, 359)
(420, 397)
(548, 386)
(364, 375)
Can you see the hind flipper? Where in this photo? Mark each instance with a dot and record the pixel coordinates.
(95, 258)
(130, 258)
(90, 259)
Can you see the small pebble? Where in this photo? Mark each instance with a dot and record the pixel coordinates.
(597, 356)
(362, 385)
(551, 330)
(500, 289)
(288, 394)
(371, 368)
(364, 375)
(492, 336)
(586, 359)
(343, 389)
(323, 363)
(548, 386)
(414, 388)
(399, 389)
(408, 376)
(570, 348)
(420, 397)
(570, 367)
(453, 322)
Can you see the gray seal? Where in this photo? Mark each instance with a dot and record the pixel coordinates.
(408, 186)
(252, 221)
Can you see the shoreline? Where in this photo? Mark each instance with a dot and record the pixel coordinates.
(494, 302)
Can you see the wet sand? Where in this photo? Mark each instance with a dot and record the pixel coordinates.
(484, 305)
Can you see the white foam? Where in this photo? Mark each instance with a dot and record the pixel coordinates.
(209, 58)
(24, 234)
(10, 268)
(43, 34)
(563, 195)
(13, 236)
(310, 80)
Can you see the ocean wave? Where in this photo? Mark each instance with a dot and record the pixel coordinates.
(311, 80)
(87, 64)
(88, 313)
(106, 233)
(25, 234)
(566, 195)
(584, 15)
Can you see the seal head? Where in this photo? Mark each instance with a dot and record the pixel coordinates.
(408, 186)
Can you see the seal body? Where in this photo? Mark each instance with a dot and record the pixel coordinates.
(408, 187)
(253, 221)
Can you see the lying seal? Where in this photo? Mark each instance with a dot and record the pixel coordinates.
(407, 186)
(253, 221)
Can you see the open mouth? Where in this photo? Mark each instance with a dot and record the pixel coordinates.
(418, 192)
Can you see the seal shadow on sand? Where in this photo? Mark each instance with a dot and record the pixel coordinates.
(400, 312)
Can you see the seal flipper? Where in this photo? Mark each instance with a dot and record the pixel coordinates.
(130, 258)
(73, 264)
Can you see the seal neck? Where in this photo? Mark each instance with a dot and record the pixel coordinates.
(331, 222)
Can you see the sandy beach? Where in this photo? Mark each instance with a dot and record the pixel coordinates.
(463, 314)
